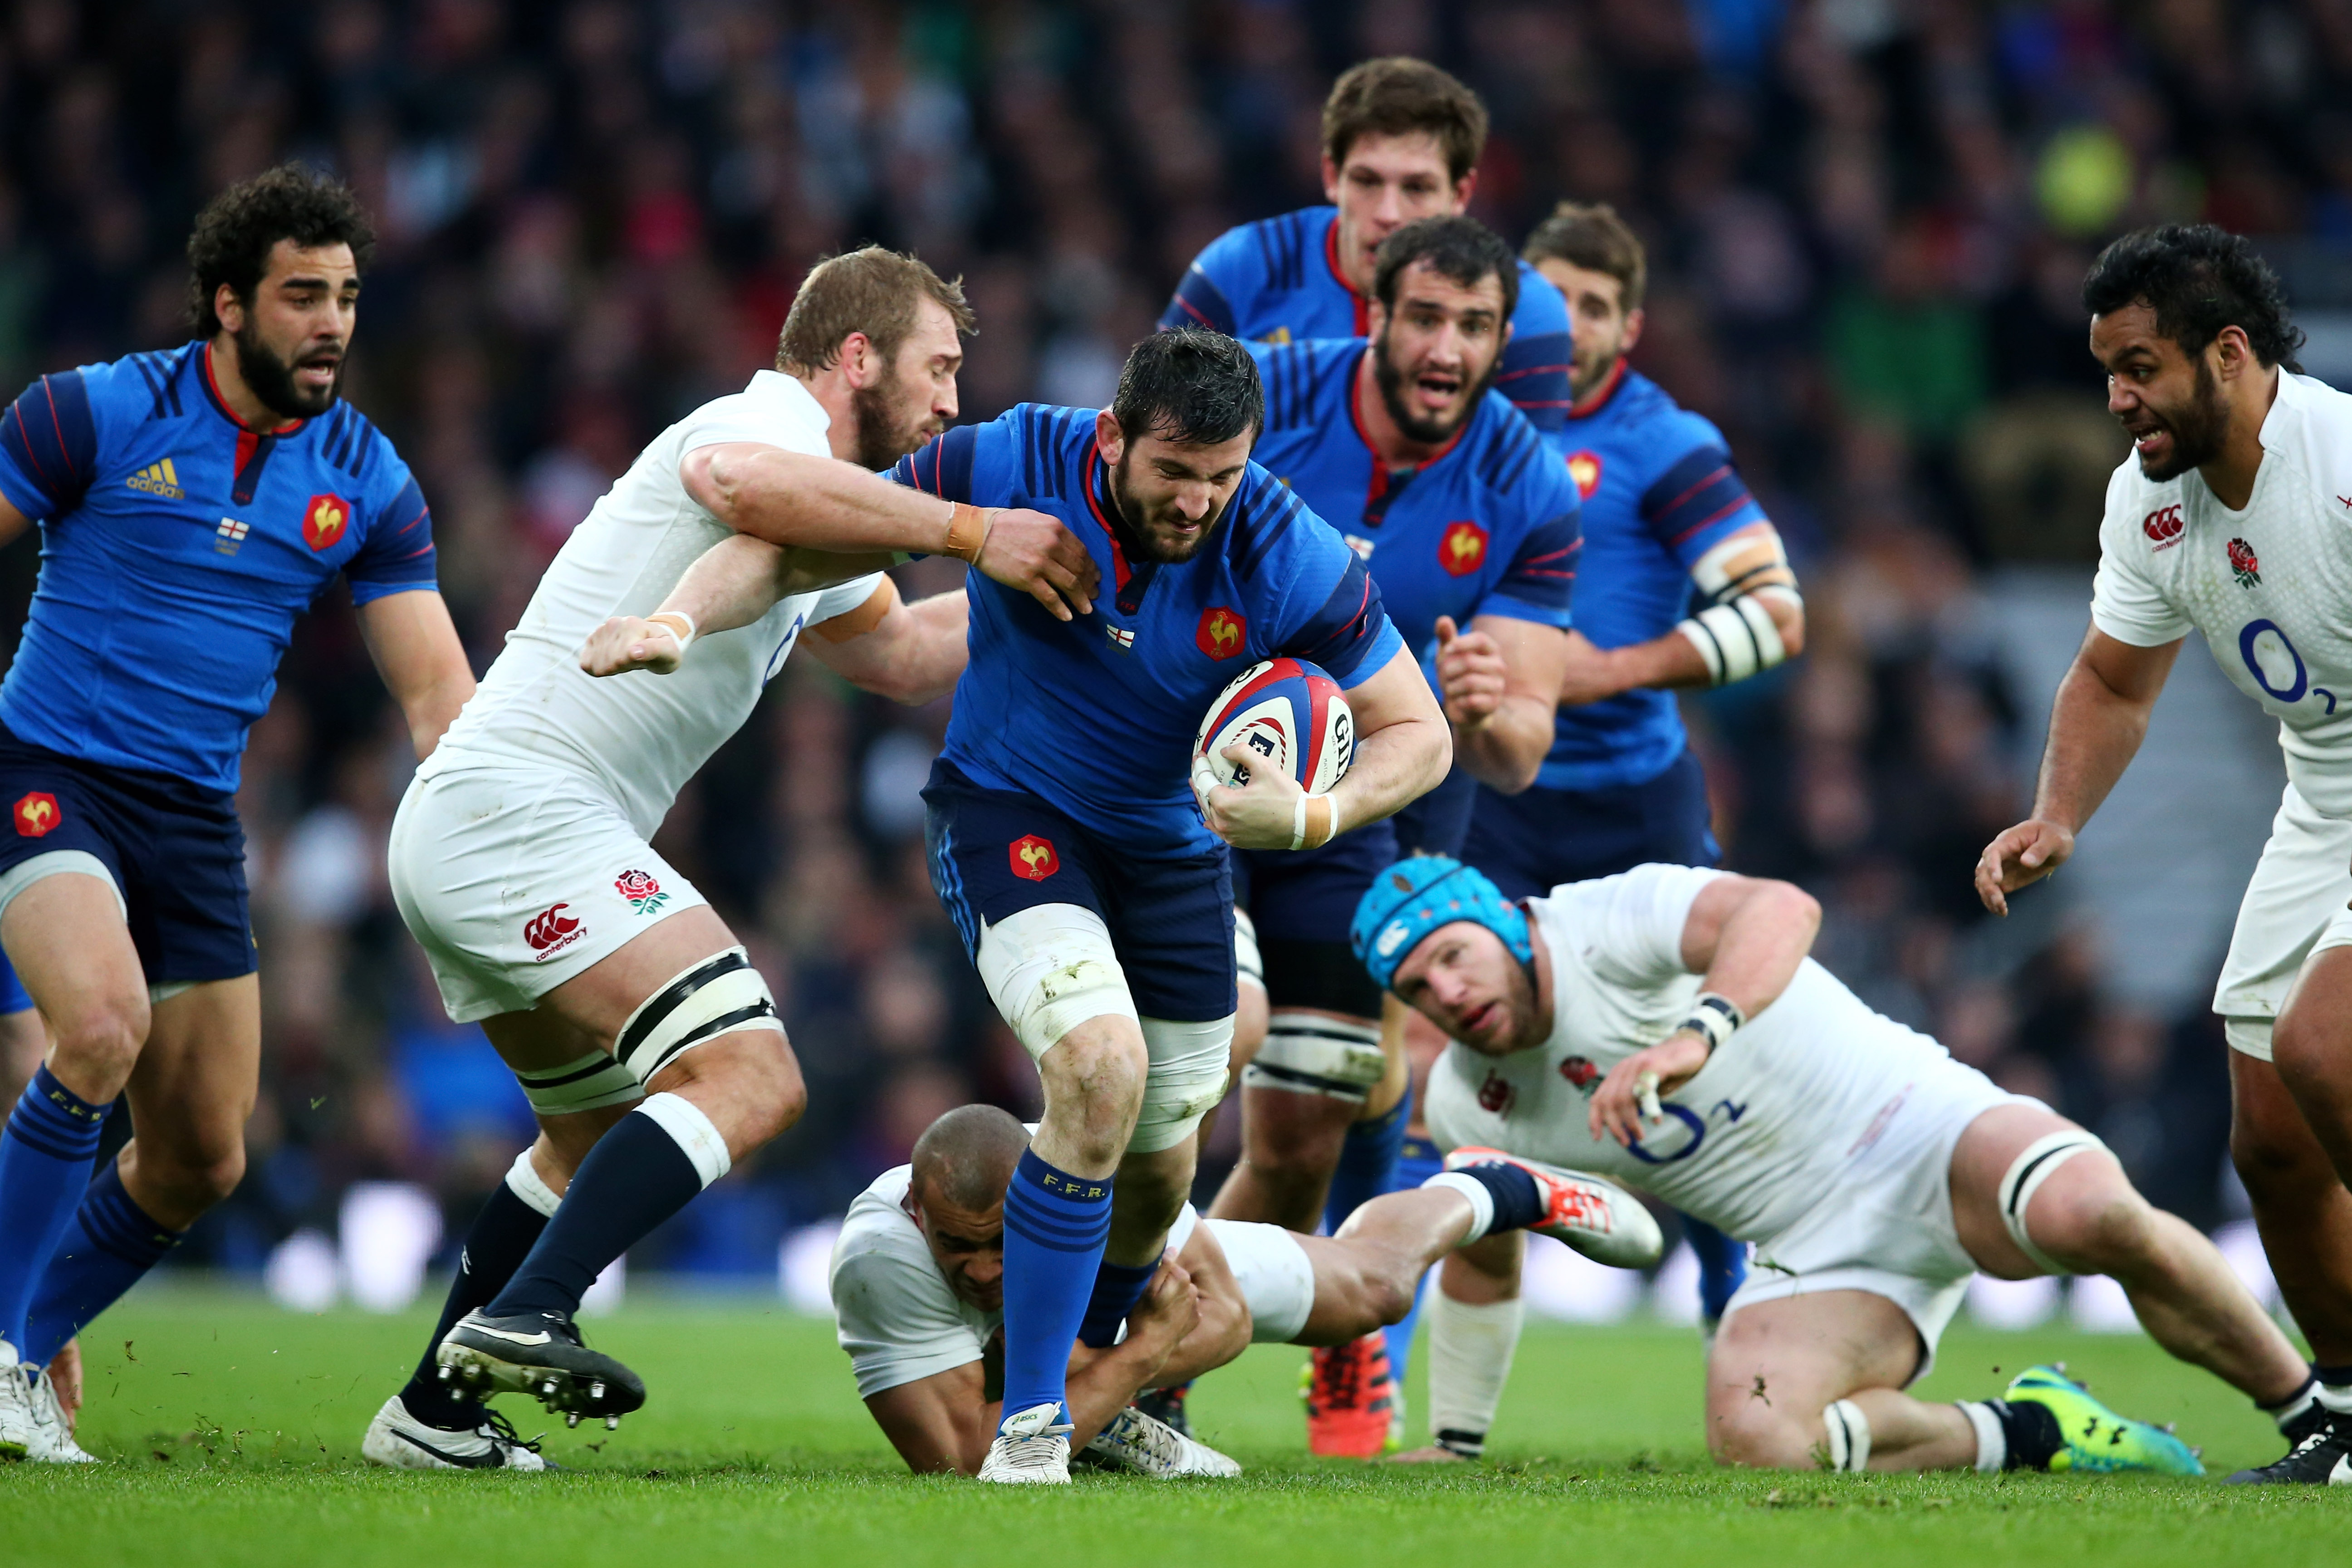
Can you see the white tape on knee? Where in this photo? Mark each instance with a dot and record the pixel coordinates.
(2034, 1165)
(1050, 968)
(1849, 1435)
(589, 1082)
(720, 995)
(523, 1181)
(1307, 1053)
(1249, 964)
(1186, 1079)
(692, 1131)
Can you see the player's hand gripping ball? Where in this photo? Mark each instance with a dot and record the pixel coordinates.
(1286, 712)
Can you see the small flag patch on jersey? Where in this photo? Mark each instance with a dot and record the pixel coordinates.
(159, 479)
(232, 534)
(1122, 637)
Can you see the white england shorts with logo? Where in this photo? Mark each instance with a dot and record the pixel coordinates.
(515, 879)
(2295, 906)
(1884, 1224)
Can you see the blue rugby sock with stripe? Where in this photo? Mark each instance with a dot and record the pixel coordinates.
(46, 1154)
(1055, 1226)
(1368, 1164)
(112, 1243)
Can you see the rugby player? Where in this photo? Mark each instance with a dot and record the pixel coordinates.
(1666, 1027)
(2228, 518)
(649, 1044)
(1401, 141)
(1665, 517)
(918, 1289)
(1470, 529)
(191, 503)
(1089, 883)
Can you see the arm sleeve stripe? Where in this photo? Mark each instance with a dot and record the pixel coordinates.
(62, 419)
(1337, 636)
(1199, 302)
(1701, 491)
(942, 467)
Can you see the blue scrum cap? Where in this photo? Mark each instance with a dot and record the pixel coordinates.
(1421, 893)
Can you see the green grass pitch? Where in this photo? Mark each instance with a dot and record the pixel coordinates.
(231, 1431)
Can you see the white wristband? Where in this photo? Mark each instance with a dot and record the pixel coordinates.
(1298, 820)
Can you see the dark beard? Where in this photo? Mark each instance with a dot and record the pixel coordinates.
(1422, 432)
(2197, 430)
(271, 379)
(882, 439)
(1136, 538)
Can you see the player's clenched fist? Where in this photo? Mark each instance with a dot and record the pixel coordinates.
(1034, 552)
(2021, 855)
(1471, 674)
(625, 643)
(1270, 811)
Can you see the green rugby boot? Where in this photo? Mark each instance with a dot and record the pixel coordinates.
(2094, 1439)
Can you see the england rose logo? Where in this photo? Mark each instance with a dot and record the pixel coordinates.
(2242, 563)
(644, 893)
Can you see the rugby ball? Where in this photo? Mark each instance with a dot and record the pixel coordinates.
(1287, 712)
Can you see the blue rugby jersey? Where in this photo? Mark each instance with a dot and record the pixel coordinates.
(1097, 715)
(1487, 527)
(1278, 280)
(177, 546)
(1659, 490)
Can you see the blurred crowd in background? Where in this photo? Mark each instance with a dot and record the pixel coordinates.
(1868, 220)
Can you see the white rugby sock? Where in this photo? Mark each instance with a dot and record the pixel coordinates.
(1482, 1202)
(523, 1181)
(1992, 1443)
(1849, 1436)
(693, 1131)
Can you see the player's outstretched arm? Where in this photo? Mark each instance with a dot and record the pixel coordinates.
(416, 651)
(1746, 937)
(2096, 724)
(730, 584)
(941, 1424)
(1403, 747)
(822, 503)
(909, 653)
(1726, 641)
(1501, 685)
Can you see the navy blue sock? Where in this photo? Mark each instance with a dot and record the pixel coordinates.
(2332, 1376)
(636, 1177)
(1722, 1265)
(501, 1237)
(1417, 1160)
(1055, 1223)
(110, 1243)
(1118, 1287)
(1368, 1164)
(1518, 1200)
(45, 1160)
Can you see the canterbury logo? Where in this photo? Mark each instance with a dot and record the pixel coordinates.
(158, 479)
(550, 929)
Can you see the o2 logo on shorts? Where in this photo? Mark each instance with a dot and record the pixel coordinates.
(2163, 526)
(2267, 652)
(1221, 633)
(644, 893)
(36, 813)
(550, 931)
(1032, 857)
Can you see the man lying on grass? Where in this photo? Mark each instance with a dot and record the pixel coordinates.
(1666, 1027)
(918, 1289)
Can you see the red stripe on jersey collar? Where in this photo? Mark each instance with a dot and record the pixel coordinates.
(1358, 384)
(212, 390)
(1331, 256)
(1585, 409)
(1088, 477)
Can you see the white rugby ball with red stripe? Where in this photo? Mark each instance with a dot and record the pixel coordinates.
(1287, 712)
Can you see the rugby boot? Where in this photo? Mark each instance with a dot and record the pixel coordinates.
(53, 1442)
(2093, 1437)
(1595, 1217)
(540, 1354)
(1166, 1405)
(20, 1425)
(1131, 1440)
(1348, 1395)
(1031, 1448)
(2322, 1455)
(399, 1441)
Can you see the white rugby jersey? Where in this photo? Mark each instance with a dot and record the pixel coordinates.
(1751, 1143)
(2271, 586)
(641, 736)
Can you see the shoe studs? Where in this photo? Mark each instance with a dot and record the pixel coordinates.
(571, 1418)
(447, 1372)
(596, 1390)
(611, 1422)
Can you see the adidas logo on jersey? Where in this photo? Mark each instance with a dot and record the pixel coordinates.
(159, 479)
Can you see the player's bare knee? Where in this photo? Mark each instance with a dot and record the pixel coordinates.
(1760, 1438)
(2100, 1227)
(95, 1046)
(1100, 1068)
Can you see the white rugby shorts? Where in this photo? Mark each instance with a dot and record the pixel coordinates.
(1884, 1224)
(1277, 1277)
(2295, 905)
(515, 879)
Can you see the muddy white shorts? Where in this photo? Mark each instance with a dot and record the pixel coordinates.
(1276, 1275)
(1884, 1224)
(2295, 905)
(515, 879)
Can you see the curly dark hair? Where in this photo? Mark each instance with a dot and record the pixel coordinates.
(2198, 279)
(238, 229)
